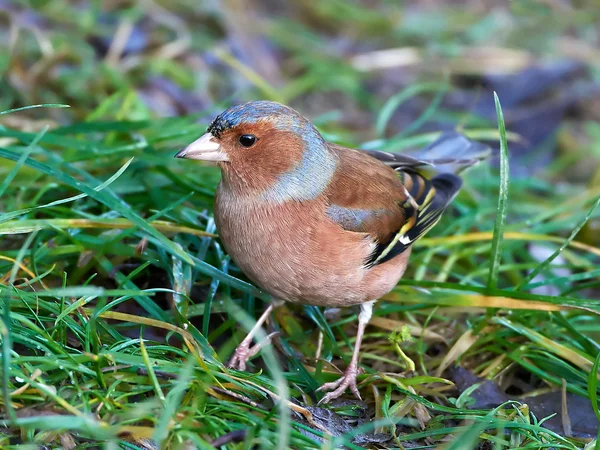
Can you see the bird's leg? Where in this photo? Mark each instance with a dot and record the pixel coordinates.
(243, 351)
(338, 387)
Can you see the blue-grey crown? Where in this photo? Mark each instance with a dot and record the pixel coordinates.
(250, 112)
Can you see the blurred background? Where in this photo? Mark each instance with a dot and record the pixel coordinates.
(363, 70)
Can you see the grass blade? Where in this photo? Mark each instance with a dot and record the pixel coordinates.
(104, 198)
(29, 225)
(42, 105)
(500, 223)
(6, 356)
(13, 173)
(593, 386)
(387, 111)
(172, 402)
(564, 245)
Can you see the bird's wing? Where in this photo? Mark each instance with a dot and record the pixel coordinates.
(433, 198)
(394, 207)
(365, 195)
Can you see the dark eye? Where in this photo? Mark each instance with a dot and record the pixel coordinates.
(247, 140)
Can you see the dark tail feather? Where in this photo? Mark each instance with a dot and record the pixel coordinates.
(450, 153)
(453, 152)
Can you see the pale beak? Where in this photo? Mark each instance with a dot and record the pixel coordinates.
(205, 148)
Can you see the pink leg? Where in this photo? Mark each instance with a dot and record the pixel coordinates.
(348, 380)
(243, 352)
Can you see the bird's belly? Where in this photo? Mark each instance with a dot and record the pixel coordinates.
(296, 257)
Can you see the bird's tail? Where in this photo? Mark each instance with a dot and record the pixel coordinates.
(452, 152)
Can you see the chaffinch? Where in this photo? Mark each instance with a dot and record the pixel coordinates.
(316, 223)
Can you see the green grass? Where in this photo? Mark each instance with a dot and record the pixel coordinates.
(119, 305)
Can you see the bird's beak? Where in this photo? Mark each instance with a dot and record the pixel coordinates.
(205, 148)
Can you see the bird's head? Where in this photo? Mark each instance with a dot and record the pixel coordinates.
(263, 146)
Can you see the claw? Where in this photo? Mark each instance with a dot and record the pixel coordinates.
(244, 352)
(266, 341)
(239, 358)
(337, 388)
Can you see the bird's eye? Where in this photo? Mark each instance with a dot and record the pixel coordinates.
(247, 140)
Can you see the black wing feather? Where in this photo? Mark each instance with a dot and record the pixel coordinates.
(435, 198)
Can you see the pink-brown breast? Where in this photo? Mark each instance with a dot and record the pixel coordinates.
(296, 253)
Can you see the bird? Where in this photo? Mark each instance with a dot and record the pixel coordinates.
(315, 223)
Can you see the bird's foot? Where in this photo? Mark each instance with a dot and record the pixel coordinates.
(337, 388)
(244, 352)
(240, 357)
